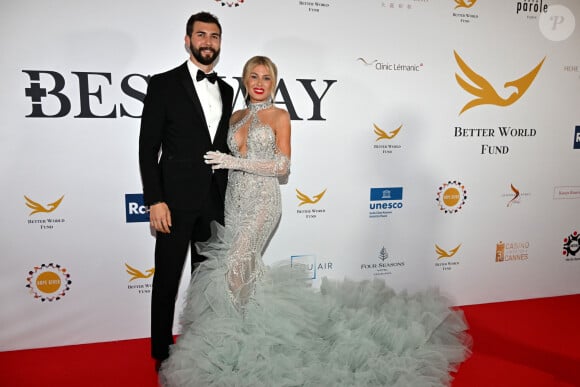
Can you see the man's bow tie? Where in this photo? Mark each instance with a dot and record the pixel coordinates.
(212, 77)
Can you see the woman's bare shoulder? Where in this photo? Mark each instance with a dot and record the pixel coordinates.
(280, 114)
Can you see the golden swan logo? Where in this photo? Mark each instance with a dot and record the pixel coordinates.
(382, 135)
(37, 207)
(484, 91)
(465, 3)
(446, 254)
(135, 273)
(305, 199)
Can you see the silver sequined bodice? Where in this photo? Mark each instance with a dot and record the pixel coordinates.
(252, 205)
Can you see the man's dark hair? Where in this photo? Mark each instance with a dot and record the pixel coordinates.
(205, 17)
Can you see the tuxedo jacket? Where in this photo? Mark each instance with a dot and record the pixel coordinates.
(173, 139)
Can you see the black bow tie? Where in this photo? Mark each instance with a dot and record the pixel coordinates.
(212, 77)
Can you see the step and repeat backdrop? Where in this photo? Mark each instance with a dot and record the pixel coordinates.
(435, 144)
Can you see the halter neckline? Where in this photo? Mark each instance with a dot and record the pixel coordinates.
(257, 106)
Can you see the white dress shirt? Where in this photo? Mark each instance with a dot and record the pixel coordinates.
(210, 97)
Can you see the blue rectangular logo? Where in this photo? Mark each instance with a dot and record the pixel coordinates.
(577, 138)
(384, 194)
(305, 262)
(135, 208)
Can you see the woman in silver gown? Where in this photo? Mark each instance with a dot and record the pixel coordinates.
(245, 324)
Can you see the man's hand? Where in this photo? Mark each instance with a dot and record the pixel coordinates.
(160, 217)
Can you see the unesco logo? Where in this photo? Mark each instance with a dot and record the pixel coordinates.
(387, 198)
(135, 208)
(383, 201)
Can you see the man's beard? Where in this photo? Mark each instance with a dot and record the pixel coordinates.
(200, 58)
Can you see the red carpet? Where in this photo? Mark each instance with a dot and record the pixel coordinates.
(531, 343)
(524, 343)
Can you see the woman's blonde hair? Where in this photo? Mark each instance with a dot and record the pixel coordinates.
(264, 61)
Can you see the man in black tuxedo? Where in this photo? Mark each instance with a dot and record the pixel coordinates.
(185, 114)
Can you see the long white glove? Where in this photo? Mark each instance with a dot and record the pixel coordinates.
(276, 167)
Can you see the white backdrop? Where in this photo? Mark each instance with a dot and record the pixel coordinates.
(393, 181)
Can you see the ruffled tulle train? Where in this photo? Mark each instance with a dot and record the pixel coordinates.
(289, 334)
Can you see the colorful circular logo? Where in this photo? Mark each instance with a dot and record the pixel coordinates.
(235, 3)
(451, 196)
(571, 244)
(48, 282)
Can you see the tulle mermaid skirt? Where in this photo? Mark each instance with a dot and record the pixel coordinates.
(346, 333)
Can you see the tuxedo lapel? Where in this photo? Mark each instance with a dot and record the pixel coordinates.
(224, 120)
(187, 83)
